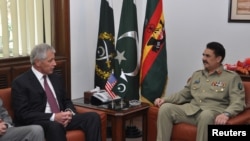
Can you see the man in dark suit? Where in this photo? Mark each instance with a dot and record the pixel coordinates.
(31, 103)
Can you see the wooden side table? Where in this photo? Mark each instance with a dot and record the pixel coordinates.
(118, 117)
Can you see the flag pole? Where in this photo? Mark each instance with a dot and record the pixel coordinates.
(126, 62)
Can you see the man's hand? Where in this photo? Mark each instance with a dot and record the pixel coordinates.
(63, 117)
(3, 127)
(221, 119)
(158, 102)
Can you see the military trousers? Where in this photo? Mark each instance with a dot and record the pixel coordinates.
(170, 114)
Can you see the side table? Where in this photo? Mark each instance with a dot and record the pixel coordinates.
(118, 116)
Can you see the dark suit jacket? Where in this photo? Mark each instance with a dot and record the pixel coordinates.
(29, 98)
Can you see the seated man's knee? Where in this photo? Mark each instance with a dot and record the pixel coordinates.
(37, 129)
(94, 116)
(55, 126)
(207, 116)
(165, 107)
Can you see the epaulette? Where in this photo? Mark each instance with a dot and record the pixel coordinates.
(229, 71)
(199, 70)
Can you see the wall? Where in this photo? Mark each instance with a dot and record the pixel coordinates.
(190, 25)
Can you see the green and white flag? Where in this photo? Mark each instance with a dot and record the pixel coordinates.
(126, 62)
(105, 51)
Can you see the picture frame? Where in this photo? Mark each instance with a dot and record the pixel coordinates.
(239, 11)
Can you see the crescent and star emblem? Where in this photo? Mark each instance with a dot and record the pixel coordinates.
(120, 57)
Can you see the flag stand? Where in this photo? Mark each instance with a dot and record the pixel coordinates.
(132, 131)
(122, 103)
(109, 132)
(112, 104)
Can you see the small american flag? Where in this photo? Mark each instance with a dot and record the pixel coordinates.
(110, 84)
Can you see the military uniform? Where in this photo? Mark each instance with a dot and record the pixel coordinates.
(202, 99)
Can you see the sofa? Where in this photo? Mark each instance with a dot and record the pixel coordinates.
(74, 135)
(187, 132)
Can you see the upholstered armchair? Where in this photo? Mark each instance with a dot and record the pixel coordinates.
(74, 135)
(187, 132)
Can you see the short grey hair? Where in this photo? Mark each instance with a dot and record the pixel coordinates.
(39, 52)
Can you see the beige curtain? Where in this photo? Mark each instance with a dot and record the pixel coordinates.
(4, 28)
(24, 23)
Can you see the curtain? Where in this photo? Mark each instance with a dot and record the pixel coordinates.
(23, 24)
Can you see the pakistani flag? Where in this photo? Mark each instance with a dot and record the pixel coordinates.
(153, 73)
(126, 62)
(105, 51)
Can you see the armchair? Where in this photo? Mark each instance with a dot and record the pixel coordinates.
(187, 132)
(74, 135)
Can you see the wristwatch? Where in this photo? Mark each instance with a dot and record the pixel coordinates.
(227, 114)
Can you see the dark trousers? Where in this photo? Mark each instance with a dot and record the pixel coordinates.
(89, 122)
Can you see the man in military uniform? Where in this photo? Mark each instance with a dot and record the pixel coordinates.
(211, 96)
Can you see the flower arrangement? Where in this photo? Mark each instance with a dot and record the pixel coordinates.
(241, 67)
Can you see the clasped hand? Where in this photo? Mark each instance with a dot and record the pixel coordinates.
(3, 127)
(63, 117)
